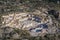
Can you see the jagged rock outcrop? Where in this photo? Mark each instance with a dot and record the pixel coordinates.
(36, 23)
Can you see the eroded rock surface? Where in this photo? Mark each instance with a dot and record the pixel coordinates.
(35, 24)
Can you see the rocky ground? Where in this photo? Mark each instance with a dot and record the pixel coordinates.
(29, 20)
(34, 24)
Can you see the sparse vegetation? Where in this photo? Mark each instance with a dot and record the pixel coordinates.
(7, 6)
